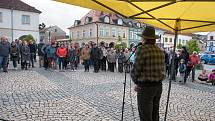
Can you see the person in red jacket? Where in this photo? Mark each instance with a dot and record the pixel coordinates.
(61, 53)
(195, 61)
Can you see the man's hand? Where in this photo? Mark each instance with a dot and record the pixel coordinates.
(136, 88)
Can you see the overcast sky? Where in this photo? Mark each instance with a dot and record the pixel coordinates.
(55, 13)
(60, 14)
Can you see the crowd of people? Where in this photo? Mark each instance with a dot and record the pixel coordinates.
(63, 56)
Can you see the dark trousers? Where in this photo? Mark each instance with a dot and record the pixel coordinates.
(45, 61)
(3, 63)
(193, 73)
(187, 73)
(96, 65)
(65, 64)
(148, 99)
(35, 57)
(86, 65)
(120, 67)
(76, 64)
(24, 64)
(111, 66)
(103, 63)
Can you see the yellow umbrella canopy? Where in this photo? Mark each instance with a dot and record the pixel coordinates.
(190, 15)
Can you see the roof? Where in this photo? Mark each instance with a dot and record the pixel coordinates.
(17, 5)
(183, 16)
(97, 16)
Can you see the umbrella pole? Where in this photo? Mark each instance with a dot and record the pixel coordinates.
(172, 76)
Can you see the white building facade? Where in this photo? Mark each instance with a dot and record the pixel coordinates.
(210, 45)
(168, 40)
(15, 23)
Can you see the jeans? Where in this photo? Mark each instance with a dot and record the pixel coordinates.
(148, 99)
(193, 73)
(3, 62)
(32, 59)
(14, 64)
(61, 62)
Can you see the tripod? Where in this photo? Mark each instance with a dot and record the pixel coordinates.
(123, 100)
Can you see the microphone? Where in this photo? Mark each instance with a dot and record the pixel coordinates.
(139, 44)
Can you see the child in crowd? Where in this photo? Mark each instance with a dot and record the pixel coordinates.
(203, 76)
(211, 77)
(182, 69)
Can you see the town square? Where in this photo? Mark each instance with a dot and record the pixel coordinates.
(107, 60)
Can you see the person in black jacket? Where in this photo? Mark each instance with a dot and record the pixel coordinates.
(95, 56)
(40, 53)
(184, 55)
(33, 50)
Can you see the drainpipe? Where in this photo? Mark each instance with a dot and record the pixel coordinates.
(97, 33)
(11, 24)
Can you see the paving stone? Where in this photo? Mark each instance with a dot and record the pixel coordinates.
(37, 94)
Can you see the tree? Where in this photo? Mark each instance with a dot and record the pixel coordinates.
(120, 44)
(192, 45)
(27, 38)
(179, 46)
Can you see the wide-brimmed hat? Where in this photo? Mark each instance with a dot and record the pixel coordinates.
(149, 33)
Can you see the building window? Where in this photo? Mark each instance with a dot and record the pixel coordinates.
(138, 25)
(131, 35)
(107, 19)
(55, 30)
(120, 22)
(1, 17)
(91, 32)
(183, 41)
(166, 39)
(87, 20)
(78, 34)
(25, 19)
(135, 35)
(179, 41)
(71, 34)
(107, 32)
(113, 32)
(123, 35)
(101, 32)
(120, 32)
(130, 24)
(170, 40)
(211, 38)
(84, 34)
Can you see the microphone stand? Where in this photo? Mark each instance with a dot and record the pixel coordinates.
(123, 100)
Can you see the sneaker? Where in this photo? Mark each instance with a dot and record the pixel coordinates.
(15, 68)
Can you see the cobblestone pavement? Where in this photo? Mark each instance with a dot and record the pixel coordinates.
(39, 95)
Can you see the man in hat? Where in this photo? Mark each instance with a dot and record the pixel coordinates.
(147, 73)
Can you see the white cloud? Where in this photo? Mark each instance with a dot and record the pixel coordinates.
(55, 13)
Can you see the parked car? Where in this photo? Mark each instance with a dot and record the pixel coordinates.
(208, 58)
